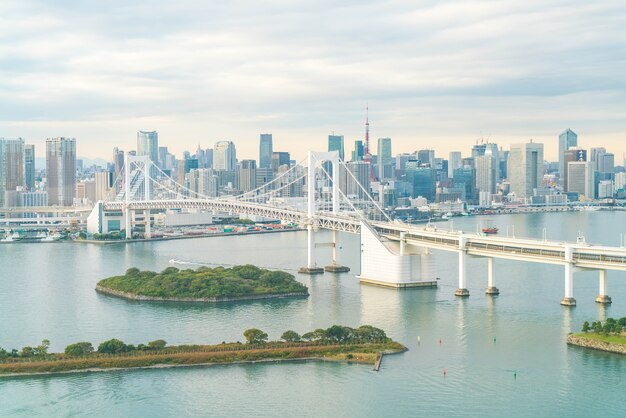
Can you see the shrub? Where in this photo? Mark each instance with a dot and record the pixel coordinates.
(79, 349)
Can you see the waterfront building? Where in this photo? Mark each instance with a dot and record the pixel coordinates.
(464, 178)
(103, 183)
(580, 179)
(385, 159)
(422, 179)
(357, 154)
(567, 140)
(266, 149)
(224, 156)
(620, 181)
(454, 162)
(33, 199)
(605, 189)
(247, 175)
(11, 166)
(335, 143)
(61, 170)
(29, 167)
(525, 168)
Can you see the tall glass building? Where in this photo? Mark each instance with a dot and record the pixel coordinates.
(567, 140)
(61, 170)
(11, 166)
(265, 151)
(357, 154)
(423, 181)
(385, 159)
(224, 156)
(148, 144)
(29, 167)
(335, 143)
(525, 168)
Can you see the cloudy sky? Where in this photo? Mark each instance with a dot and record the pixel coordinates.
(437, 74)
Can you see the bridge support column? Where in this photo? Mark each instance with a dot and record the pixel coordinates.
(568, 299)
(336, 268)
(311, 267)
(146, 217)
(603, 297)
(128, 223)
(491, 289)
(462, 290)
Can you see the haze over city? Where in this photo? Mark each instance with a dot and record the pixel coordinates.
(435, 74)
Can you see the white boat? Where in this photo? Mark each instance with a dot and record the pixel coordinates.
(588, 208)
(51, 238)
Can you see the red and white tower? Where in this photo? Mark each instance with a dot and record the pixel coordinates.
(367, 157)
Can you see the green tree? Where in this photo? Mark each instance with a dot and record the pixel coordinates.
(370, 333)
(42, 349)
(255, 336)
(586, 326)
(618, 329)
(290, 336)
(27, 351)
(79, 349)
(157, 344)
(112, 346)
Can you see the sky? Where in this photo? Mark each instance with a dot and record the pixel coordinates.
(435, 74)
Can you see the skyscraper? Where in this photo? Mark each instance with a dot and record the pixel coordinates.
(573, 154)
(29, 167)
(335, 143)
(266, 148)
(454, 162)
(580, 178)
(118, 160)
(224, 156)
(61, 170)
(357, 154)
(279, 159)
(148, 144)
(247, 175)
(485, 173)
(11, 166)
(525, 168)
(385, 159)
(567, 139)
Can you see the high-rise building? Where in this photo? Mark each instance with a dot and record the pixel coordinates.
(426, 156)
(61, 170)
(485, 173)
(247, 175)
(357, 154)
(464, 178)
(29, 167)
(525, 168)
(567, 140)
(358, 181)
(224, 156)
(11, 166)
(118, 161)
(422, 179)
(580, 178)
(148, 144)
(266, 148)
(335, 143)
(454, 162)
(104, 181)
(385, 159)
(279, 159)
(573, 154)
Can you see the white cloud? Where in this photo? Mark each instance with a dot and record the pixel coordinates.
(449, 71)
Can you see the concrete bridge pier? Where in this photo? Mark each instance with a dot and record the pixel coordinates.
(568, 299)
(146, 217)
(335, 268)
(128, 222)
(311, 266)
(603, 297)
(491, 289)
(462, 289)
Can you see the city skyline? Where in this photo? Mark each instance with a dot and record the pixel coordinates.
(446, 73)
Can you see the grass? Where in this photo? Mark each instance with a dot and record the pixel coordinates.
(190, 355)
(611, 338)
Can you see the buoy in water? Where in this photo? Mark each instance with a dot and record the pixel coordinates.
(418, 340)
(444, 372)
(494, 338)
(515, 374)
(440, 340)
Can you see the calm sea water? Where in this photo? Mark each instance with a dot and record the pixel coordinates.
(47, 291)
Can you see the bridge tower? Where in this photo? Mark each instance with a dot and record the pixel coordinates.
(136, 161)
(313, 159)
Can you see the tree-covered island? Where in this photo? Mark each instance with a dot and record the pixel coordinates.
(364, 344)
(205, 284)
(608, 336)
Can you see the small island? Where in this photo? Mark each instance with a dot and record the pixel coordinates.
(608, 336)
(365, 344)
(205, 284)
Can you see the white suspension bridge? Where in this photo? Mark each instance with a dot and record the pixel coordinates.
(392, 252)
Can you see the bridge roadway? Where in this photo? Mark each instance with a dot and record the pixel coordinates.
(583, 256)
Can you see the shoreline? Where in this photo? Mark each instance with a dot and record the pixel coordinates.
(135, 297)
(308, 356)
(594, 344)
(178, 237)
